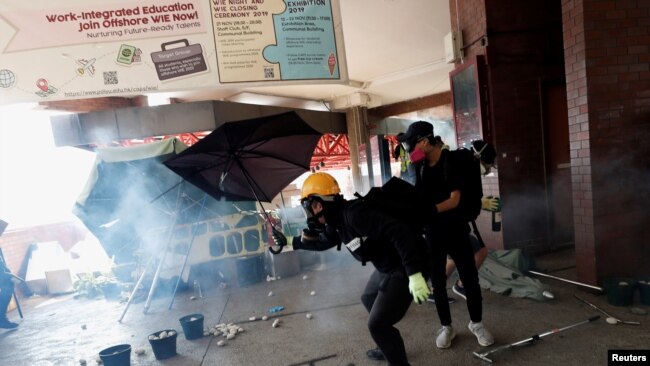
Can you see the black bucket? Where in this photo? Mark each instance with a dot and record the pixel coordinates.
(620, 290)
(119, 355)
(192, 326)
(644, 289)
(164, 348)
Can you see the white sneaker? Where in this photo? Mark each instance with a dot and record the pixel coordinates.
(445, 335)
(484, 337)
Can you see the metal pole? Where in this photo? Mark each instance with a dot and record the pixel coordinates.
(137, 286)
(266, 215)
(20, 311)
(568, 281)
(537, 337)
(187, 254)
(154, 281)
(606, 313)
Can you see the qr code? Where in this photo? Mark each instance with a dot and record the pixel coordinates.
(269, 73)
(110, 77)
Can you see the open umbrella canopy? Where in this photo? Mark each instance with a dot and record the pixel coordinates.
(125, 198)
(249, 160)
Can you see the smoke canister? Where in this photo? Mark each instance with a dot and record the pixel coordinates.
(496, 220)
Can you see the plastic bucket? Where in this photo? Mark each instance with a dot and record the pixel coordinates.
(620, 291)
(119, 355)
(644, 289)
(164, 348)
(192, 326)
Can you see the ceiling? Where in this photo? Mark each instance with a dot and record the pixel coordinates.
(394, 50)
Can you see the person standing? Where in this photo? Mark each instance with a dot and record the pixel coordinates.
(407, 170)
(485, 155)
(443, 181)
(6, 292)
(392, 246)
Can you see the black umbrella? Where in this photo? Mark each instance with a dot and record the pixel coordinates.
(249, 160)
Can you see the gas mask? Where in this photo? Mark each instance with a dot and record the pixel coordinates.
(313, 219)
(417, 156)
(485, 168)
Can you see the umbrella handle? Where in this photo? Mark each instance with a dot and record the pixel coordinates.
(275, 251)
(282, 244)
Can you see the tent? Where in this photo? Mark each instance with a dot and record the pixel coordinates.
(128, 196)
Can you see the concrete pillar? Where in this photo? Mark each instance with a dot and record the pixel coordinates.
(356, 118)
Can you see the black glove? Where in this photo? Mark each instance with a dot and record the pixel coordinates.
(310, 235)
(296, 242)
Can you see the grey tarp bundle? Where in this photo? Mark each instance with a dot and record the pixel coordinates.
(502, 272)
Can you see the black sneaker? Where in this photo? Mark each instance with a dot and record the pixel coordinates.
(432, 299)
(376, 354)
(6, 324)
(459, 290)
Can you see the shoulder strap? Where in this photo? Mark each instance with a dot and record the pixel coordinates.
(476, 232)
(362, 249)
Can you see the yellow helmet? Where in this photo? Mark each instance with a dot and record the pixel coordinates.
(321, 184)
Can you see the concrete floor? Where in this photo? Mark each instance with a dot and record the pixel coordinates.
(51, 332)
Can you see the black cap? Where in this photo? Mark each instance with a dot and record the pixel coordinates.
(416, 131)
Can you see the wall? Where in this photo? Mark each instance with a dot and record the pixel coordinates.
(522, 42)
(608, 89)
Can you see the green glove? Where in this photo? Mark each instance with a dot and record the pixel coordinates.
(491, 203)
(418, 288)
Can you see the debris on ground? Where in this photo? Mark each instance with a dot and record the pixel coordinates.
(264, 317)
(83, 326)
(305, 277)
(139, 351)
(313, 293)
(275, 309)
(270, 293)
(638, 311)
(228, 331)
(276, 323)
(161, 335)
(309, 316)
(82, 362)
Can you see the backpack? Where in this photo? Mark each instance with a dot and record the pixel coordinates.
(399, 199)
(463, 162)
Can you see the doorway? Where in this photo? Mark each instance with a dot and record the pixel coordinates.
(558, 164)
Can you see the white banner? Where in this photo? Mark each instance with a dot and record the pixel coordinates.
(67, 49)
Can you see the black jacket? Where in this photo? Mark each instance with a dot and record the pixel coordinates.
(372, 236)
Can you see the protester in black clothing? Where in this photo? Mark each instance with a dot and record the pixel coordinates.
(6, 291)
(392, 246)
(407, 170)
(442, 182)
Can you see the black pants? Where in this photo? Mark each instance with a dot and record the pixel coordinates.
(452, 238)
(387, 299)
(6, 290)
